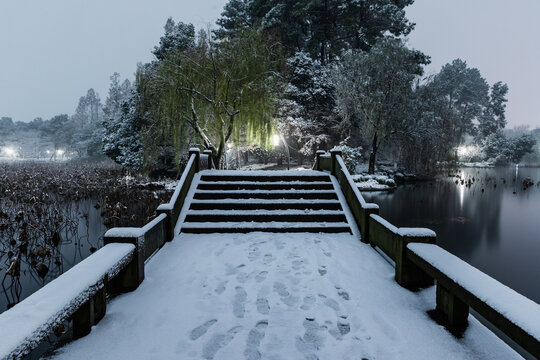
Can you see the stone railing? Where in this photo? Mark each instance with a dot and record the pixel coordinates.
(419, 262)
(79, 295)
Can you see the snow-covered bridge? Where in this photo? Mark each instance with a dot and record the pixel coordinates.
(268, 265)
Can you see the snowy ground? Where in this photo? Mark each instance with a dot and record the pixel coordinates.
(275, 296)
(375, 182)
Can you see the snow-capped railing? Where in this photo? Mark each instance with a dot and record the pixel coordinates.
(174, 206)
(79, 295)
(460, 286)
(419, 261)
(359, 207)
(393, 242)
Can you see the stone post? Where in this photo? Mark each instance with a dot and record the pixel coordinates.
(197, 152)
(133, 274)
(408, 274)
(334, 165)
(451, 307)
(209, 154)
(319, 153)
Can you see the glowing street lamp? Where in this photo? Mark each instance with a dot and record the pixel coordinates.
(10, 152)
(275, 139)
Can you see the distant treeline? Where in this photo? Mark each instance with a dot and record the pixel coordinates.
(317, 74)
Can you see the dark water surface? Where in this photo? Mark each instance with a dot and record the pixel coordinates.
(76, 244)
(493, 224)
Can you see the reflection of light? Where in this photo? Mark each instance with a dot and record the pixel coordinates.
(230, 145)
(10, 152)
(60, 152)
(275, 139)
(48, 151)
(461, 195)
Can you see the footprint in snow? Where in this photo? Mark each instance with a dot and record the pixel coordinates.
(254, 339)
(219, 341)
(312, 340)
(239, 302)
(281, 289)
(297, 264)
(331, 303)
(242, 277)
(254, 253)
(231, 270)
(343, 294)
(284, 294)
(342, 328)
(309, 300)
(268, 258)
(221, 287)
(262, 306)
(201, 329)
(322, 270)
(260, 277)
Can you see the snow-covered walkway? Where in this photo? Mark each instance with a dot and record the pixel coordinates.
(275, 296)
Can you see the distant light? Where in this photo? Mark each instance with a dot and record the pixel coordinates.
(10, 152)
(275, 139)
(48, 151)
(468, 150)
(60, 152)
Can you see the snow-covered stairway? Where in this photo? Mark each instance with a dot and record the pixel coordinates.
(268, 201)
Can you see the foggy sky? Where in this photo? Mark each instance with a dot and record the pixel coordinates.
(52, 52)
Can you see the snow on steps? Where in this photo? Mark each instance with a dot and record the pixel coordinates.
(31, 320)
(272, 204)
(268, 201)
(253, 226)
(274, 185)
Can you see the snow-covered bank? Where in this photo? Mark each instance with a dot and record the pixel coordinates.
(270, 296)
(376, 182)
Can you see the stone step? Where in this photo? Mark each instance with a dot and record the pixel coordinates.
(262, 194)
(254, 204)
(277, 227)
(245, 176)
(268, 216)
(254, 185)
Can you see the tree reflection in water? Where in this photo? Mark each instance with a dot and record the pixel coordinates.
(54, 215)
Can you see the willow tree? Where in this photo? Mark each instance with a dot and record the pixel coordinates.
(223, 91)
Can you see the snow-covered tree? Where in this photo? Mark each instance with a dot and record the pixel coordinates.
(306, 113)
(121, 136)
(375, 89)
(493, 118)
(322, 28)
(87, 125)
(177, 37)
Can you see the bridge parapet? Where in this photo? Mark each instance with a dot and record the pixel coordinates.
(419, 261)
(79, 295)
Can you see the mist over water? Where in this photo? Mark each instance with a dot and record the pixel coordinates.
(493, 224)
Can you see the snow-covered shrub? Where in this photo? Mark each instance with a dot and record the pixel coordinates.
(351, 156)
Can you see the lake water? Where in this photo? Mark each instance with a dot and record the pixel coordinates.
(493, 224)
(76, 244)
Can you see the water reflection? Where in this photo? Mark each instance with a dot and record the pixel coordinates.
(32, 263)
(487, 217)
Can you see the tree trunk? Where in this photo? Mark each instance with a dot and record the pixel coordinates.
(373, 155)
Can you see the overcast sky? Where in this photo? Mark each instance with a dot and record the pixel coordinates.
(53, 51)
